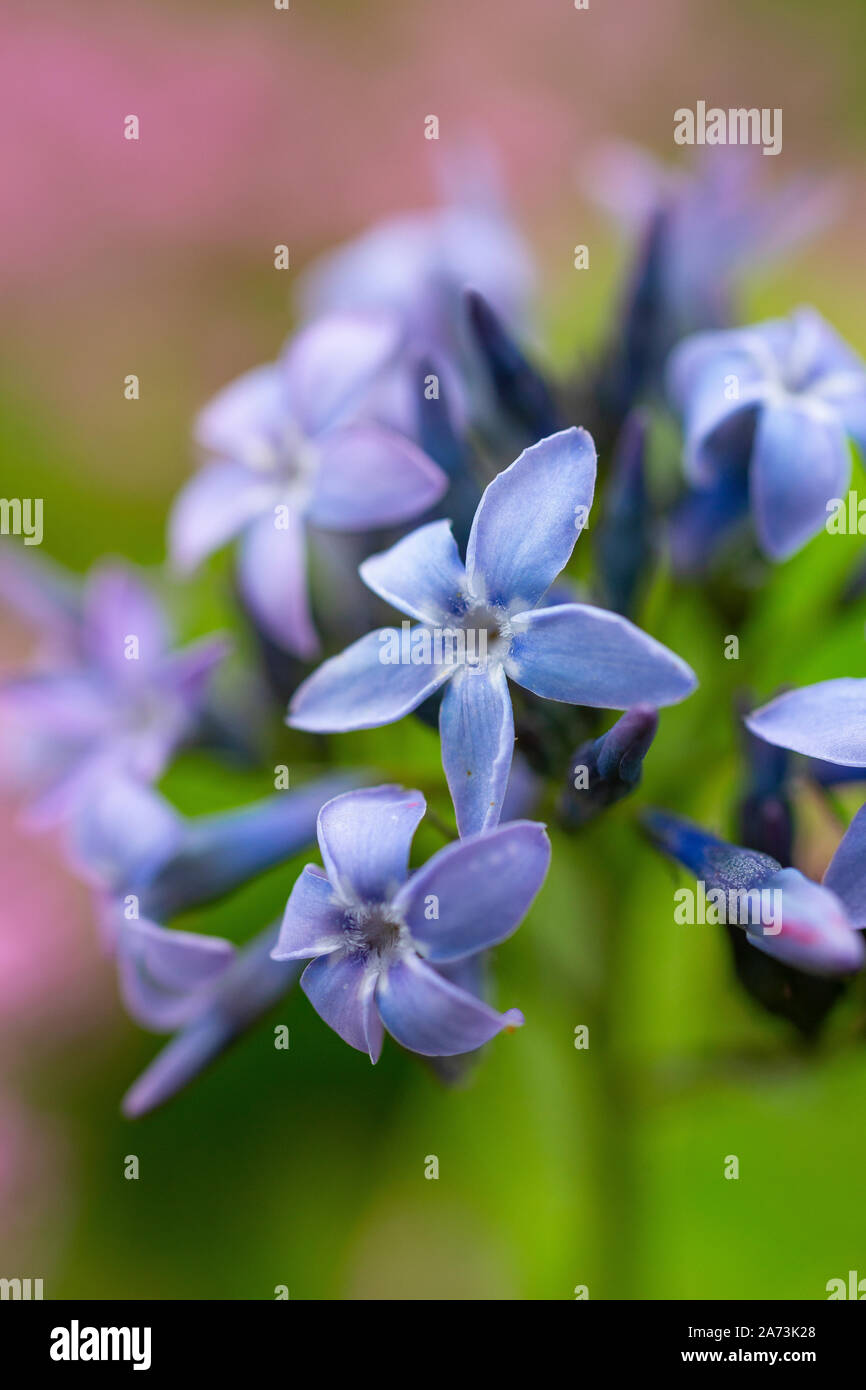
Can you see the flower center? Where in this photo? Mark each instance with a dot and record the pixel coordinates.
(487, 634)
(374, 929)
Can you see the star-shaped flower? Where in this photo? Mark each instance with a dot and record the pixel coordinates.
(114, 700)
(392, 950)
(286, 445)
(783, 397)
(483, 623)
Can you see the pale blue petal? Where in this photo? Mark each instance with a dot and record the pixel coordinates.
(365, 837)
(341, 988)
(827, 720)
(476, 728)
(332, 363)
(846, 872)
(529, 519)
(212, 508)
(422, 574)
(361, 689)
(429, 1015)
(369, 476)
(800, 460)
(272, 574)
(313, 921)
(476, 892)
(588, 656)
(165, 976)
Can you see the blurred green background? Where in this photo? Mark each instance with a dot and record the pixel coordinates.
(557, 1167)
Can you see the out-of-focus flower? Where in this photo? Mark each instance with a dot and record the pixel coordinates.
(826, 721)
(801, 391)
(148, 863)
(119, 700)
(416, 269)
(285, 445)
(236, 998)
(699, 231)
(606, 769)
(380, 940)
(130, 841)
(485, 621)
(813, 927)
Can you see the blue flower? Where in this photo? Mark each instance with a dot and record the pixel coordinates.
(815, 927)
(114, 698)
(782, 396)
(482, 623)
(289, 443)
(383, 943)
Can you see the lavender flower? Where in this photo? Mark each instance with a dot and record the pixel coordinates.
(118, 701)
(415, 269)
(130, 841)
(236, 998)
(489, 611)
(783, 396)
(381, 942)
(286, 445)
(817, 929)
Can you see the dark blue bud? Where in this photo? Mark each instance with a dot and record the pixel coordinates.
(521, 391)
(713, 861)
(606, 769)
(623, 539)
(439, 439)
(764, 814)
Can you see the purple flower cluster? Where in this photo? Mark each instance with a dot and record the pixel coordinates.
(408, 412)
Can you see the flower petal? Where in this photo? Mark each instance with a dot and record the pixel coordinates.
(365, 837)
(369, 476)
(428, 1014)
(245, 421)
(809, 928)
(588, 656)
(332, 362)
(210, 510)
(704, 370)
(846, 872)
(119, 605)
(482, 888)
(529, 519)
(827, 720)
(360, 690)
(165, 975)
(422, 574)
(313, 921)
(121, 836)
(248, 989)
(341, 988)
(800, 461)
(272, 573)
(476, 727)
